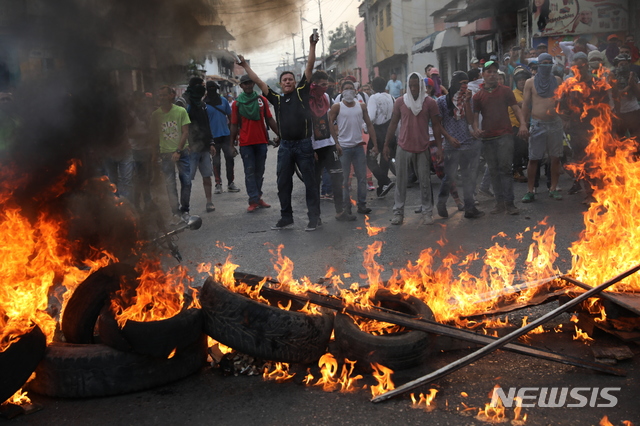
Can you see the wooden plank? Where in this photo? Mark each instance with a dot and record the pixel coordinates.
(629, 301)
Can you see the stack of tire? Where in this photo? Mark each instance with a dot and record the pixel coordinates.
(139, 356)
(19, 360)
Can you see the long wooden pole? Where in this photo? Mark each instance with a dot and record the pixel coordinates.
(480, 353)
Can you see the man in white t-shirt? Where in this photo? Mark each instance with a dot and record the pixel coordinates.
(380, 109)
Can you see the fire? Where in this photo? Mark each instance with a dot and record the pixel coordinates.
(158, 296)
(18, 398)
(383, 375)
(372, 230)
(491, 414)
(424, 400)
(330, 381)
(581, 335)
(278, 371)
(605, 421)
(37, 260)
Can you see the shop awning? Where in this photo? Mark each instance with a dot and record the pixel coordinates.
(426, 44)
(449, 38)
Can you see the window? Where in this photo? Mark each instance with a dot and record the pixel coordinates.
(389, 15)
(381, 19)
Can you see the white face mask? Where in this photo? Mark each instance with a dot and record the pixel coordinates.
(349, 95)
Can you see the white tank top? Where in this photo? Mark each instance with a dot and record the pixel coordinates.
(350, 125)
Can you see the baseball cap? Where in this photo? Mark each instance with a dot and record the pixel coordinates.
(474, 60)
(244, 78)
(435, 71)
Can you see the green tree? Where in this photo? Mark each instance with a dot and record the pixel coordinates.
(341, 37)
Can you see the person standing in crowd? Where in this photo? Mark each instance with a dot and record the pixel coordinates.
(493, 102)
(178, 100)
(474, 63)
(630, 42)
(546, 126)
(413, 111)
(438, 89)
(626, 92)
(613, 48)
(461, 149)
(596, 60)
(570, 48)
(170, 129)
(327, 150)
(248, 116)
(201, 142)
(520, 147)
(219, 122)
(380, 109)
(394, 86)
(346, 120)
(296, 148)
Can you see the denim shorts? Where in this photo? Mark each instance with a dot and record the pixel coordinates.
(545, 137)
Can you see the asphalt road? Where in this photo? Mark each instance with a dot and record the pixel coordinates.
(211, 398)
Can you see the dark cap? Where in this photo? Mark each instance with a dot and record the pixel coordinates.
(212, 85)
(244, 78)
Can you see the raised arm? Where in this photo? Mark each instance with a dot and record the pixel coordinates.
(312, 57)
(254, 77)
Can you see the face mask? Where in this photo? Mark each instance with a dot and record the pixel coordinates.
(349, 95)
(545, 69)
(317, 89)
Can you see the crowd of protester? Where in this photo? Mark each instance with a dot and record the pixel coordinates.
(500, 122)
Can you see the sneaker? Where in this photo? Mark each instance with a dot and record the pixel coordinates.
(397, 219)
(460, 205)
(575, 188)
(386, 188)
(313, 224)
(364, 210)
(370, 186)
(528, 197)
(487, 193)
(253, 207)
(345, 217)
(233, 188)
(499, 209)
(283, 223)
(555, 195)
(512, 209)
(176, 219)
(185, 217)
(263, 205)
(442, 210)
(418, 210)
(473, 214)
(426, 220)
(218, 189)
(210, 207)
(519, 177)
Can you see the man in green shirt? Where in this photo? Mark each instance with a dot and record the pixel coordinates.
(170, 127)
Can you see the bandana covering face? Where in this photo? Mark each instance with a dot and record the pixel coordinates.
(318, 102)
(455, 99)
(349, 95)
(415, 105)
(248, 106)
(545, 82)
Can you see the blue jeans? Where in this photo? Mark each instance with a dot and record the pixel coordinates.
(253, 159)
(120, 171)
(184, 174)
(298, 152)
(499, 155)
(356, 156)
(468, 160)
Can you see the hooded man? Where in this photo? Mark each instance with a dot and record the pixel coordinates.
(414, 110)
(460, 147)
(493, 101)
(219, 122)
(546, 132)
(626, 93)
(201, 141)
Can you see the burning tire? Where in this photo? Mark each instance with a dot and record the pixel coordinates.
(19, 360)
(154, 338)
(86, 302)
(397, 351)
(261, 330)
(84, 371)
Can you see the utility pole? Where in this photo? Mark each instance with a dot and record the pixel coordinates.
(321, 31)
(293, 40)
(304, 52)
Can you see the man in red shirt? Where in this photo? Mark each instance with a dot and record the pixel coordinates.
(493, 101)
(248, 115)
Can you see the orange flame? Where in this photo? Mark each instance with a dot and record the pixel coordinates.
(424, 400)
(372, 230)
(278, 371)
(581, 335)
(330, 380)
(383, 376)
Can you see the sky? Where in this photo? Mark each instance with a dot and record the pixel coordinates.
(266, 57)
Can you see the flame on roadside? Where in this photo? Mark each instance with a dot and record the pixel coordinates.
(372, 230)
(330, 380)
(18, 398)
(382, 375)
(581, 335)
(277, 371)
(424, 401)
